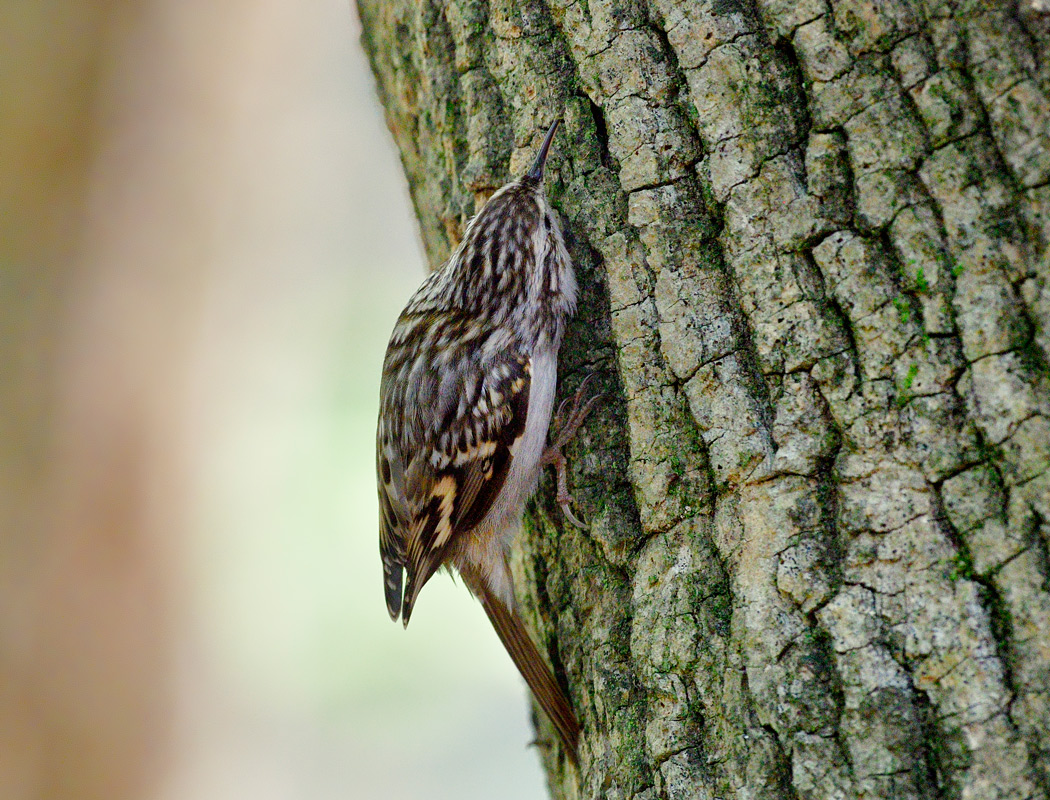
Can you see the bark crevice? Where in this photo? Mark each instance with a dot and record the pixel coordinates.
(819, 308)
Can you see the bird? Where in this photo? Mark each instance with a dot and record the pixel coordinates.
(466, 399)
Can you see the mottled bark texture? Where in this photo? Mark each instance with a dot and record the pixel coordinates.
(812, 240)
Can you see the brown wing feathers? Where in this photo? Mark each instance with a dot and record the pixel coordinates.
(470, 469)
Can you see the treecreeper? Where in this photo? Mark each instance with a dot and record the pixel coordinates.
(465, 405)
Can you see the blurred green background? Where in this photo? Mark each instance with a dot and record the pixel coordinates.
(207, 241)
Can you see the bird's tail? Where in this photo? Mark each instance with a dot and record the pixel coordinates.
(533, 668)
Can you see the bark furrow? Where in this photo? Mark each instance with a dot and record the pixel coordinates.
(814, 245)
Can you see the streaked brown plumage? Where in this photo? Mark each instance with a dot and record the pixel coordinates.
(465, 406)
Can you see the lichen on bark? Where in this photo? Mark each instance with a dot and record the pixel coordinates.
(813, 241)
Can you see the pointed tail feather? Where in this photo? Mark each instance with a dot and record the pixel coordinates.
(533, 669)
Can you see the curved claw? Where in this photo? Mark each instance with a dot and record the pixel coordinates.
(557, 418)
(566, 509)
(578, 413)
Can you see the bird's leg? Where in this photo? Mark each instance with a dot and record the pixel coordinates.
(566, 430)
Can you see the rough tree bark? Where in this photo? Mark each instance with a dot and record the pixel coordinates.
(812, 239)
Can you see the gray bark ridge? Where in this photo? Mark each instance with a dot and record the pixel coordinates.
(812, 243)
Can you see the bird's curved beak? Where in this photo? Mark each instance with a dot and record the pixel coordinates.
(536, 173)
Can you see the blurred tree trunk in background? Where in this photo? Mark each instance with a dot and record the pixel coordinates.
(812, 239)
(88, 301)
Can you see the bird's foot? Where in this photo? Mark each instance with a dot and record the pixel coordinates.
(566, 430)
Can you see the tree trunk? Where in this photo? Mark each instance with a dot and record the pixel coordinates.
(812, 244)
(98, 272)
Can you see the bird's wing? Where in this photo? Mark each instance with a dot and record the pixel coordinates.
(453, 405)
